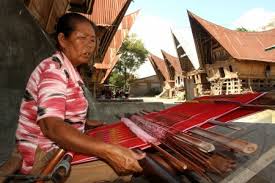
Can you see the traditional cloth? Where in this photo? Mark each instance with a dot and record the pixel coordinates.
(53, 90)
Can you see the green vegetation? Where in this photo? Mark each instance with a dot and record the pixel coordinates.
(133, 55)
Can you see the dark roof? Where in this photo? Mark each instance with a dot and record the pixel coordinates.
(240, 45)
(173, 61)
(159, 67)
(184, 60)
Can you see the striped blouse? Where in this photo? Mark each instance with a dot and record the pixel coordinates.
(53, 90)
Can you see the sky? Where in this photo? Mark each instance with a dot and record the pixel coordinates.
(158, 17)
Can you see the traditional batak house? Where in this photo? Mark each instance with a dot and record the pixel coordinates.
(235, 62)
(167, 81)
(195, 80)
(175, 71)
(174, 68)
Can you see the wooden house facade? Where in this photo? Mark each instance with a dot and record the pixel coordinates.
(195, 80)
(235, 62)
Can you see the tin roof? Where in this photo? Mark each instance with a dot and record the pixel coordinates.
(240, 45)
(159, 67)
(106, 11)
(172, 61)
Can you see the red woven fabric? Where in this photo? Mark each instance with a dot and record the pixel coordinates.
(181, 117)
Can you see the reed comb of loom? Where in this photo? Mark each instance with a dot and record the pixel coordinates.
(188, 150)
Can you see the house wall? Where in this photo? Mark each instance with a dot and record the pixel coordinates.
(141, 87)
(233, 76)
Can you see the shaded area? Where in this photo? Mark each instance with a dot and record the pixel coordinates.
(23, 45)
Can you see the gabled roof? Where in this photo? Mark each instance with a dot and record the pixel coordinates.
(111, 57)
(186, 51)
(240, 45)
(172, 62)
(106, 11)
(108, 14)
(159, 67)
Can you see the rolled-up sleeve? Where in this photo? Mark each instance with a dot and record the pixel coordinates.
(51, 101)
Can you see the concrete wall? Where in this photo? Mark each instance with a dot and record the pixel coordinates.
(145, 86)
(22, 46)
(107, 111)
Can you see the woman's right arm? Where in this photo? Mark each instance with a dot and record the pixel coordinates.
(121, 159)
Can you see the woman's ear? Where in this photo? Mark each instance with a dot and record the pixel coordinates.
(61, 40)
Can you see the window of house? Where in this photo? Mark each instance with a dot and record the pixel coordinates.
(221, 71)
(267, 71)
(230, 68)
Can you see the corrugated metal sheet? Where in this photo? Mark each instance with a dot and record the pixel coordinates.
(106, 11)
(47, 12)
(240, 45)
(159, 67)
(111, 56)
(173, 61)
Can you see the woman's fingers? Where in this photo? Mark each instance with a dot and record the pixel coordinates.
(125, 161)
(138, 156)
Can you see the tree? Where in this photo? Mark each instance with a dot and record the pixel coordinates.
(133, 55)
(242, 29)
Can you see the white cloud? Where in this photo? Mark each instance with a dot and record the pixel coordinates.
(156, 35)
(254, 19)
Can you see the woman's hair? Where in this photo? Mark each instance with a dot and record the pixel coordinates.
(66, 24)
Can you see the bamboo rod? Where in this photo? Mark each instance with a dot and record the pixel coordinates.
(236, 144)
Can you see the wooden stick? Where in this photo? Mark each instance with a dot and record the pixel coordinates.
(179, 165)
(223, 124)
(149, 165)
(52, 163)
(202, 145)
(236, 144)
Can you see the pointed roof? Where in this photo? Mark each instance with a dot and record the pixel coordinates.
(105, 12)
(159, 67)
(108, 15)
(240, 45)
(111, 57)
(186, 50)
(172, 62)
(184, 58)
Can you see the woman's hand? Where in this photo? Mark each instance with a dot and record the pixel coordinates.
(93, 123)
(123, 160)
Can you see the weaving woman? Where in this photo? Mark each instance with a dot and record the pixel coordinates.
(53, 110)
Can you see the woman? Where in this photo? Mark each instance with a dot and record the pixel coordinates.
(53, 109)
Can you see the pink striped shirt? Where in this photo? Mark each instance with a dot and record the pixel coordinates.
(53, 90)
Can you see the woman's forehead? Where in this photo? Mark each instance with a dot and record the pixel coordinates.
(84, 27)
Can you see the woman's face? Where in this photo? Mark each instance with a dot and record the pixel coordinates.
(80, 45)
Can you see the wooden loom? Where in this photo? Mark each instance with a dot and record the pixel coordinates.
(189, 120)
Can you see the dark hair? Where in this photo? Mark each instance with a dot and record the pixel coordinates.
(66, 25)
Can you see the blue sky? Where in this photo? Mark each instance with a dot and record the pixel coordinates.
(222, 13)
(157, 17)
